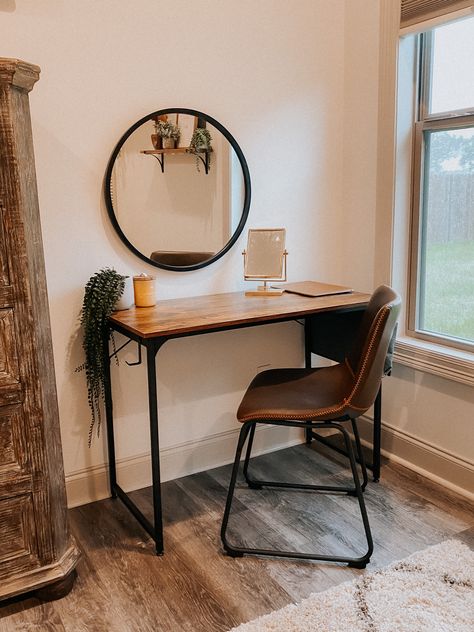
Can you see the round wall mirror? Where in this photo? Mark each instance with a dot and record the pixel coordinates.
(177, 189)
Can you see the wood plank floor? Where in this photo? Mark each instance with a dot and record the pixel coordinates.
(122, 586)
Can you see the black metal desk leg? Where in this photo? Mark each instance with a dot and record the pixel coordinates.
(151, 351)
(307, 363)
(377, 435)
(109, 418)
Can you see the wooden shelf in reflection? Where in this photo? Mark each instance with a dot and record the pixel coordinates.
(159, 154)
(174, 150)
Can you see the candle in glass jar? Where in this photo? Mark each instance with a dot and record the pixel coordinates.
(144, 290)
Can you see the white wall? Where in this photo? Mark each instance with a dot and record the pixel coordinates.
(297, 85)
(427, 419)
(273, 74)
(360, 142)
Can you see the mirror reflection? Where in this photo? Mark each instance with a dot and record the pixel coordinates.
(265, 259)
(265, 250)
(178, 189)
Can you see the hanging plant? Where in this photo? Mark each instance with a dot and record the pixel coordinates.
(201, 143)
(101, 293)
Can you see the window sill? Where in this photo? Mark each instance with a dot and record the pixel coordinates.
(452, 364)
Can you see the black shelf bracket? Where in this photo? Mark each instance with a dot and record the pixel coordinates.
(205, 161)
(161, 160)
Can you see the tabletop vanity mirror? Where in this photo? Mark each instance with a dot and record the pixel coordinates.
(265, 260)
(177, 189)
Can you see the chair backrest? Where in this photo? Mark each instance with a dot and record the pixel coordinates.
(367, 357)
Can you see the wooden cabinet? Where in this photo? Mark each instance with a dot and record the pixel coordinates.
(36, 548)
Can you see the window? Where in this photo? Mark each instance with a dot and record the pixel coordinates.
(441, 305)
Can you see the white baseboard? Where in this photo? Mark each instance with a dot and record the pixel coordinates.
(442, 467)
(438, 465)
(91, 484)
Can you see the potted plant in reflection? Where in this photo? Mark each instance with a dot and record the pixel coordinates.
(201, 144)
(168, 132)
(101, 294)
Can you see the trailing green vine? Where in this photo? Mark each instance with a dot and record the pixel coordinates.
(101, 293)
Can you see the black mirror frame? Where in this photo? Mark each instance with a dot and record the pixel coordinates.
(247, 185)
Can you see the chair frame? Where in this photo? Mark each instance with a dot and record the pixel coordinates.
(248, 431)
(366, 362)
(375, 466)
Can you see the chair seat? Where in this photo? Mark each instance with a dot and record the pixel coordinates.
(298, 394)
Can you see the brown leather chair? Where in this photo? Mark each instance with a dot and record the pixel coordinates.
(315, 399)
(331, 336)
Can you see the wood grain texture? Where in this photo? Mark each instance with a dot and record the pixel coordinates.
(174, 150)
(18, 74)
(205, 313)
(32, 491)
(122, 586)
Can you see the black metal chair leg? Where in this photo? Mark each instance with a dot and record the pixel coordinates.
(250, 482)
(360, 454)
(230, 494)
(237, 551)
(365, 559)
(258, 484)
(377, 435)
(308, 363)
(325, 441)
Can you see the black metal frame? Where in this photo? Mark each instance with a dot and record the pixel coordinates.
(152, 346)
(248, 431)
(245, 174)
(376, 446)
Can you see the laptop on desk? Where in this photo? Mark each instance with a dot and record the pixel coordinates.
(315, 288)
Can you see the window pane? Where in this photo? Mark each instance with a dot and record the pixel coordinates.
(446, 284)
(453, 67)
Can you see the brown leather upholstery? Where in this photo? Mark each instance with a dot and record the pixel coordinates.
(345, 389)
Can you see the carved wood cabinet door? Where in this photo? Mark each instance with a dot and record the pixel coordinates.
(19, 546)
(36, 548)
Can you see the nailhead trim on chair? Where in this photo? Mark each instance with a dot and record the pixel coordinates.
(367, 355)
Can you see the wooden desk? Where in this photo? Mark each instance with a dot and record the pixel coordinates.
(151, 327)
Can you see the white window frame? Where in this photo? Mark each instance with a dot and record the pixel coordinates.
(412, 351)
(444, 121)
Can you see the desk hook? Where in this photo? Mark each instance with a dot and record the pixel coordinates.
(139, 357)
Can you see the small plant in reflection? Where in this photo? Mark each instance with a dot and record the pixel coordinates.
(167, 129)
(200, 144)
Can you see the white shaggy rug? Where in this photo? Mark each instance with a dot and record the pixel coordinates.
(431, 591)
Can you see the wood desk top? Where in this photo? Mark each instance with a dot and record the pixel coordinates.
(215, 311)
